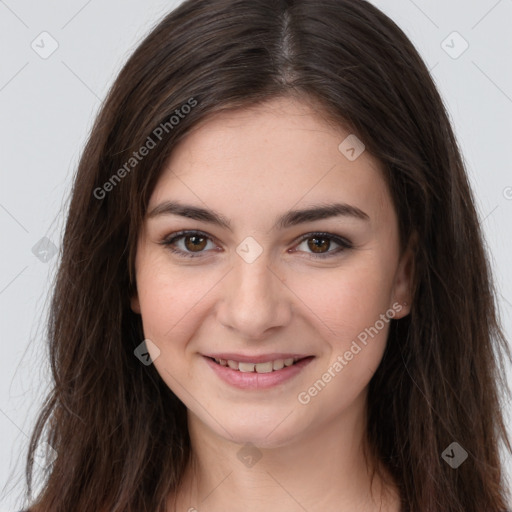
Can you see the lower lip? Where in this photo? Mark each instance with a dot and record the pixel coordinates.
(253, 380)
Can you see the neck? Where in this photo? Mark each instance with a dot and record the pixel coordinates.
(324, 468)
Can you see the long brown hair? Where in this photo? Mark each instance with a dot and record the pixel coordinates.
(119, 432)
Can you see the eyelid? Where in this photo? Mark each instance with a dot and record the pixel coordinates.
(168, 240)
(343, 242)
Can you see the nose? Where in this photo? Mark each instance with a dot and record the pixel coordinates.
(254, 300)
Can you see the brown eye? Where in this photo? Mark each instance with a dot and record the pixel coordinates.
(319, 245)
(195, 243)
(323, 245)
(191, 244)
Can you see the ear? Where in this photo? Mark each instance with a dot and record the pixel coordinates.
(403, 285)
(134, 303)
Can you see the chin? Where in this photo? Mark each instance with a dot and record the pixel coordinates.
(270, 433)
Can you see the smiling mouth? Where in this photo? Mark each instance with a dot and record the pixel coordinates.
(266, 367)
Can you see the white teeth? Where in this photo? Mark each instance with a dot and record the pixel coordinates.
(266, 367)
(277, 365)
(246, 367)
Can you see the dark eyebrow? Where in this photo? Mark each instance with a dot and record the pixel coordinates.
(287, 220)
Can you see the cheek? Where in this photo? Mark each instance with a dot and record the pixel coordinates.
(350, 308)
(170, 303)
(170, 299)
(346, 299)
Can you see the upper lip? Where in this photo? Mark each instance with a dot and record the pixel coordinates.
(256, 358)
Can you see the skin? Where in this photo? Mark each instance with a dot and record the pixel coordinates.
(252, 166)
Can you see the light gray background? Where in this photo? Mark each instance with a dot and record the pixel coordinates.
(47, 107)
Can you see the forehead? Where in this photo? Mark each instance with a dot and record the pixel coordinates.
(271, 157)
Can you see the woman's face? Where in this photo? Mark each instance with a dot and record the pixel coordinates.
(255, 281)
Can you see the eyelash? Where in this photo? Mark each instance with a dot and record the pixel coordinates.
(344, 244)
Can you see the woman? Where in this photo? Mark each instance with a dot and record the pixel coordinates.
(272, 257)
